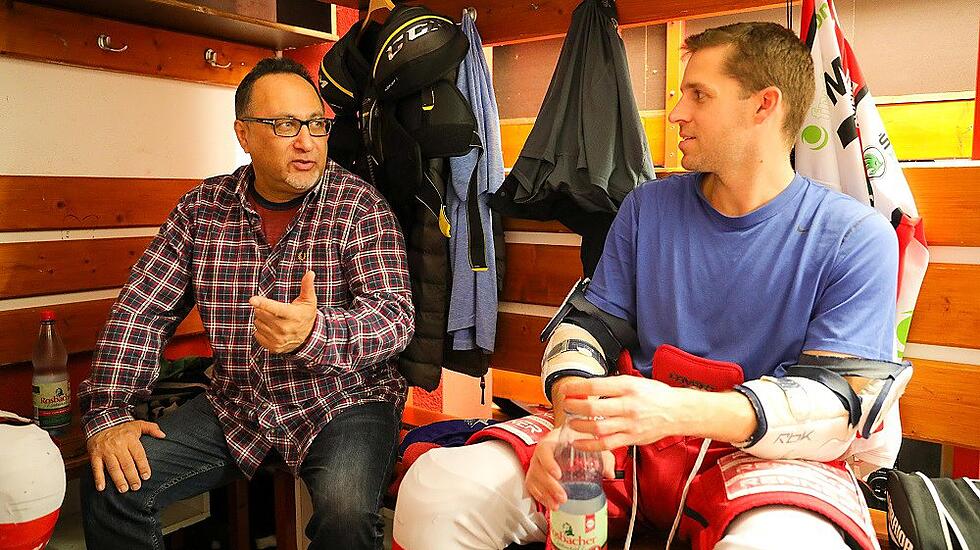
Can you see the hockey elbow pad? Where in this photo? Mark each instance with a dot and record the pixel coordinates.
(812, 413)
(571, 351)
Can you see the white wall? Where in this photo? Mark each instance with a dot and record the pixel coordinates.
(67, 121)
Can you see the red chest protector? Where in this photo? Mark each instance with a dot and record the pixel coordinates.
(665, 465)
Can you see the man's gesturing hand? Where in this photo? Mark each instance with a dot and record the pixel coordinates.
(280, 327)
(118, 450)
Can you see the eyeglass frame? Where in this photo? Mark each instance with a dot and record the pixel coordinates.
(272, 122)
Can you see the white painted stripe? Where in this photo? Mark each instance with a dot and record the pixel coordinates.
(542, 237)
(527, 309)
(954, 254)
(57, 299)
(76, 234)
(967, 356)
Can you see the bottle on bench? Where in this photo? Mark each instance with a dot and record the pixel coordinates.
(52, 393)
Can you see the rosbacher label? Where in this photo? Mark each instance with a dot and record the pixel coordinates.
(578, 532)
(52, 403)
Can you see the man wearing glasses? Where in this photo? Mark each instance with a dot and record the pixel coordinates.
(298, 270)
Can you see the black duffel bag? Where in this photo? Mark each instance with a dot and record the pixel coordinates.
(933, 513)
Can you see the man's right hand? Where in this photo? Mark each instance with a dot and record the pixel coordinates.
(118, 450)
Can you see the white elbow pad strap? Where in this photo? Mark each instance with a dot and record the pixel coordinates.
(571, 351)
(812, 413)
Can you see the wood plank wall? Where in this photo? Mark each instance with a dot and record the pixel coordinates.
(52, 268)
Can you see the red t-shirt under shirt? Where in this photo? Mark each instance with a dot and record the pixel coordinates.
(275, 216)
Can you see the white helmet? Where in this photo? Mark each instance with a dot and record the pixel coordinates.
(32, 484)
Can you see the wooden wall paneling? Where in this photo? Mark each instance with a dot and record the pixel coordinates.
(653, 127)
(948, 311)
(52, 267)
(57, 36)
(518, 348)
(540, 274)
(953, 385)
(948, 199)
(55, 202)
(244, 21)
(79, 324)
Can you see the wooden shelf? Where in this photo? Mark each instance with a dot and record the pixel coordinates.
(194, 18)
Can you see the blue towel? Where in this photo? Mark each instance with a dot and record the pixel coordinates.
(473, 298)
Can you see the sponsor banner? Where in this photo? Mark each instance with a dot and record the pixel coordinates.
(843, 145)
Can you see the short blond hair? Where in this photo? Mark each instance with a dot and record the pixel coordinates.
(761, 55)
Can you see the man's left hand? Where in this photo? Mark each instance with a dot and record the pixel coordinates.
(631, 411)
(281, 327)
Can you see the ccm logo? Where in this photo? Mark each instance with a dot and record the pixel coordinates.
(415, 31)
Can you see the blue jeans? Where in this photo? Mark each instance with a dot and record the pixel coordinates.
(346, 470)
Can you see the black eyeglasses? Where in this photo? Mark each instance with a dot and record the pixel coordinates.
(290, 127)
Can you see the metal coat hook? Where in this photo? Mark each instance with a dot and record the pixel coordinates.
(471, 12)
(105, 43)
(211, 57)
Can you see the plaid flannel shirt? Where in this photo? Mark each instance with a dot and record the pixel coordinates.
(211, 252)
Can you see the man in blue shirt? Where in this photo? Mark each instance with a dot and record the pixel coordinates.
(741, 277)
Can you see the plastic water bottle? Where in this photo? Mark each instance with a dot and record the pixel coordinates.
(52, 394)
(581, 523)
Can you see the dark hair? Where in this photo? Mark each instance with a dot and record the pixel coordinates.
(269, 65)
(763, 55)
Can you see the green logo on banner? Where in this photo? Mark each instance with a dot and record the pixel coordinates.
(823, 12)
(874, 162)
(815, 136)
(902, 331)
